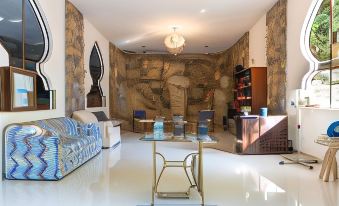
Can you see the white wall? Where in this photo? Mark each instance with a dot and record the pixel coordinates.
(4, 61)
(257, 45)
(91, 36)
(314, 123)
(297, 65)
(54, 68)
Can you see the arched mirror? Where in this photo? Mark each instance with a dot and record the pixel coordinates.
(95, 97)
(24, 37)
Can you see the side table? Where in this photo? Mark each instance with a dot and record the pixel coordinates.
(330, 162)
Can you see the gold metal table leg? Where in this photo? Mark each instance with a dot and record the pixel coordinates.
(154, 171)
(201, 175)
(155, 180)
(175, 164)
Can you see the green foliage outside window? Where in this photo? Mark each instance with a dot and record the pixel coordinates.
(336, 16)
(320, 33)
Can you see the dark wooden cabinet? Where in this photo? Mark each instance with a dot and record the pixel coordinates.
(262, 135)
(250, 92)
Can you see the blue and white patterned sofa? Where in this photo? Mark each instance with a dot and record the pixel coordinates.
(49, 149)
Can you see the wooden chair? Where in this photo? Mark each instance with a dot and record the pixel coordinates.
(205, 117)
(137, 116)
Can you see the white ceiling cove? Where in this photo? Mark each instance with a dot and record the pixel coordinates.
(131, 24)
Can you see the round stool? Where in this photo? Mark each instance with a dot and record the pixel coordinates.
(330, 162)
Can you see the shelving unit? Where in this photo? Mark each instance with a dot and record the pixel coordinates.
(250, 89)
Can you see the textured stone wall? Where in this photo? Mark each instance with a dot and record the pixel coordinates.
(239, 53)
(167, 84)
(276, 57)
(118, 104)
(75, 73)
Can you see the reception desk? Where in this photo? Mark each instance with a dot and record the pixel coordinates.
(262, 135)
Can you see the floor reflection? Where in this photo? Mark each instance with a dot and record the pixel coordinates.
(122, 177)
(84, 186)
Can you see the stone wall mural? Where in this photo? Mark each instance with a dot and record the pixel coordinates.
(276, 57)
(75, 73)
(167, 84)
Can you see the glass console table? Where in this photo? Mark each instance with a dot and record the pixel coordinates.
(196, 165)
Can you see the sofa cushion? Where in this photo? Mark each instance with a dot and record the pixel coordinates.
(84, 116)
(101, 116)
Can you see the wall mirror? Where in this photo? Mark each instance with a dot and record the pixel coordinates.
(24, 46)
(95, 97)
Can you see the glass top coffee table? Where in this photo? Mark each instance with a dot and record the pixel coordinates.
(195, 166)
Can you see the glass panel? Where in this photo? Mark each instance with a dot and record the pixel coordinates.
(335, 45)
(335, 88)
(95, 96)
(95, 66)
(34, 39)
(320, 89)
(34, 50)
(11, 31)
(320, 33)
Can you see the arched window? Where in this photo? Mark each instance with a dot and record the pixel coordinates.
(95, 97)
(24, 36)
(321, 48)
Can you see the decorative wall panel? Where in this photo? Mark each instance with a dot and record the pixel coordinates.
(75, 72)
(276, 57)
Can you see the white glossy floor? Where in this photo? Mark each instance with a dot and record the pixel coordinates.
(122, 177)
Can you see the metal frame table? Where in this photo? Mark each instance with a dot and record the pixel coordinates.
(194, 182)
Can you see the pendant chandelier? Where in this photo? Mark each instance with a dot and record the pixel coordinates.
(175, 42)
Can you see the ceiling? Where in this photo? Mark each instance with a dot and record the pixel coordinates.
(131, 24)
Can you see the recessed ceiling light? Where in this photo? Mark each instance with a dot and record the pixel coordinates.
(15, 20)
(1, 18)
(202, 11)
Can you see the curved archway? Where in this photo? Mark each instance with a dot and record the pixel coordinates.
(320, 46)
(96, 68)
(314, 61)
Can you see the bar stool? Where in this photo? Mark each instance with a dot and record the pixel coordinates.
(330, 162)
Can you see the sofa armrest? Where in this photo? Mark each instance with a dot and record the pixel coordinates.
(115, 123)
(41, 144)
(17, 132)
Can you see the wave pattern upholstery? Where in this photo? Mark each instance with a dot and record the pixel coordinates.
(49, 149)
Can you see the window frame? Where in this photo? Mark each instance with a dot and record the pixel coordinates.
(316, 66)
